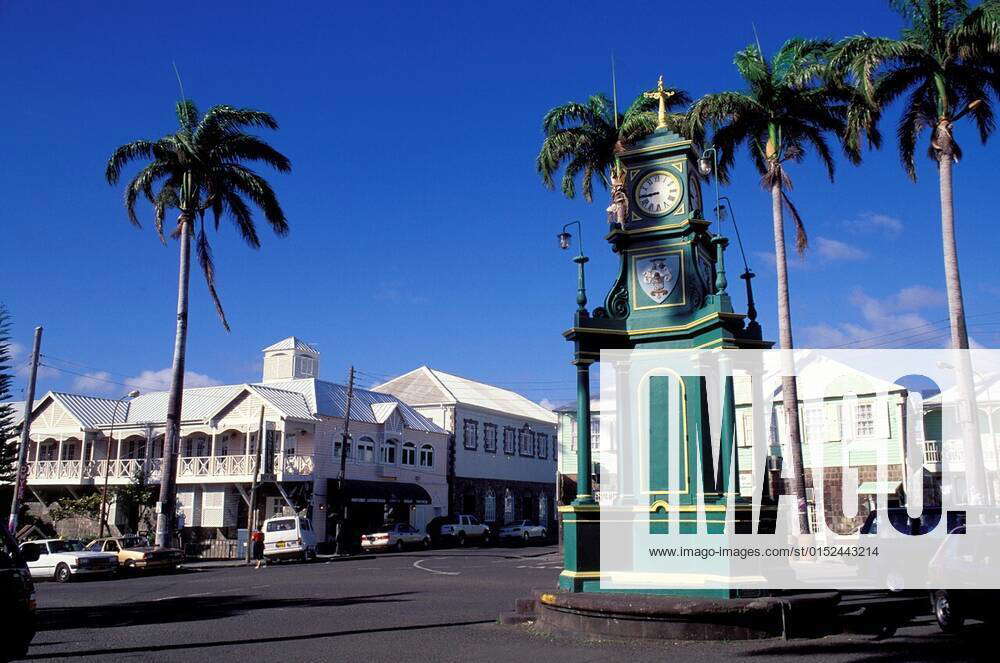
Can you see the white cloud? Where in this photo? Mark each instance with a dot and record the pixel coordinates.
(99, 382)
(160, 380)
(891, 322)
(16, 350)
(831, 250)
(868, 222)
(916, 297)
(547, 404)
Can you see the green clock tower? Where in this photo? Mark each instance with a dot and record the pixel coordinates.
(670, 292)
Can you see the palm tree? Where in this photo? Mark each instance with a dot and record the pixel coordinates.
(199, 169)
(789, 104)
(946, 63)
(587, 137)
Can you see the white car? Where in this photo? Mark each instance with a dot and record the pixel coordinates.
(398, 537)
(63, 560)
(463, 528)
(289, 537)
(523, 530)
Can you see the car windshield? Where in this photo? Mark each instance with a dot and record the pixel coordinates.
(286, 525)
(65, 546)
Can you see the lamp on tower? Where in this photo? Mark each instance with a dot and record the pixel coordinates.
(580, 259)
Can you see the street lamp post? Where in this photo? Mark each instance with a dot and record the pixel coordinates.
(580, 260)
(584, 492)
(107, 460)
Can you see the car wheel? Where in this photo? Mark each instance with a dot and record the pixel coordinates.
(426, 542)
(129, 566)
(545, 534)
(400, 546)
(461, 539)
(949, 618)
(63, 574)
(526, 537)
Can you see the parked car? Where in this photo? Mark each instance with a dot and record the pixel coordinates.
(966, 561)
(289, 537)
(63, 560)
(522, 530)
(135, 554)
(463, 529)
(17, 597)
(398, 536)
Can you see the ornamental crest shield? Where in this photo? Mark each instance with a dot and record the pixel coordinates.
(658, 276)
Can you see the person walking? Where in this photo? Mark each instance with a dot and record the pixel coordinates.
(257, 549)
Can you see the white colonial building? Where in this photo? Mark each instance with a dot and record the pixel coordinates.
(503, 449)
(396, 461)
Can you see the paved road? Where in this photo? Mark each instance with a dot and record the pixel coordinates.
(428, 606)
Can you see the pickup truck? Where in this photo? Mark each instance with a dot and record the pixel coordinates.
(463, 528)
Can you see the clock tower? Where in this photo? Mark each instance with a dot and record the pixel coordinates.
(670, 291)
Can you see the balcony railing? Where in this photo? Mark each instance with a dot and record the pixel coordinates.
(188, 467)
(932, 451)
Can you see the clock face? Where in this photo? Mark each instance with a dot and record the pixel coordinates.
(658, 193)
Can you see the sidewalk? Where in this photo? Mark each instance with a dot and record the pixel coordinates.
(438, 552)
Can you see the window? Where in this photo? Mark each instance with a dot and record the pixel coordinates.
(366, 450)
(508, 505)
(542, 445)
(490, 438)
(389, 452)
(543, 509)
(526, 442)
(307, 365)
(336, 447)
(285, 525)
(426, 456)
(490, 507)
(864, 420)
(746, 431)
(470, 434)
(508, 440)
(409, 453)
(815, 424)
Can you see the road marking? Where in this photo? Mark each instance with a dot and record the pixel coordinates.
(225, 591)
(417, 565)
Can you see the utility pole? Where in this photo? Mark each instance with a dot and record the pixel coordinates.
(21, 476)
(252, 510)
(341, 535)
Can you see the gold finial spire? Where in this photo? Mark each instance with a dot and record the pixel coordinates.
(661, 94)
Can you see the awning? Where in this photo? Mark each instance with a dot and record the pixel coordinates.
(380, 492)
(879, 487)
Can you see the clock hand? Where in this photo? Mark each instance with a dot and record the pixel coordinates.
(648, 195)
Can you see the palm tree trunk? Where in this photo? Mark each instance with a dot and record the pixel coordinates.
(165, 518)
(789, 387)
(956, 303)
(971, 439)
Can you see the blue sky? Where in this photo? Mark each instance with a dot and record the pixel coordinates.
(420, 231)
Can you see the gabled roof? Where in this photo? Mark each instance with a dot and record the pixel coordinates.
(427, 386)
(291, 343)
(383, 411)
(985, 389)
(330, 399)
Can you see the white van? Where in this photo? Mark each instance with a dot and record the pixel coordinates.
(289, 537)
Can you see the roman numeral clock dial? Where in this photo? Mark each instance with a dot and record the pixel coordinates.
(658, 193)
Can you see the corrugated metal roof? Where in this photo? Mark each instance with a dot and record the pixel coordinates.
(301, 399)
(198, 404)
(291, 403)
(463, 390)
(291, 343)
(330, 399)
(90, 410)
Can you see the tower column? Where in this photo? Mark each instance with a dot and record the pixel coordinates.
(584, 487)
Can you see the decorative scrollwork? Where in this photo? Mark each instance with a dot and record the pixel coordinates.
(618, 302)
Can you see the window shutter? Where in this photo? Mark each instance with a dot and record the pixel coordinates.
(880, 411)
(833, 424)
